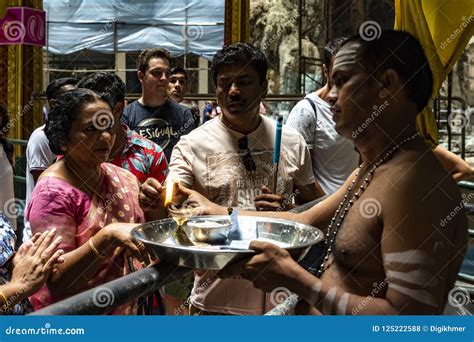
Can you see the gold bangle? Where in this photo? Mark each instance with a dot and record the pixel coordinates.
(96, 252)
(4, 299)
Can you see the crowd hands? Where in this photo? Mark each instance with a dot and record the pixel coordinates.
(152, 199)
(31, 266)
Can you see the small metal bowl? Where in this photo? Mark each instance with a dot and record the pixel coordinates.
(201, 229)
(181, 212)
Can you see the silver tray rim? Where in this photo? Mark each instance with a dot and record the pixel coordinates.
(315, 230)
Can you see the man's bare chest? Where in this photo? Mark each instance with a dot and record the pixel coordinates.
(357, 246)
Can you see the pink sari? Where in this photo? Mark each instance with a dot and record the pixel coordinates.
(77, 217)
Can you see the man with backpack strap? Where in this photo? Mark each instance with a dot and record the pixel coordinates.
(333, 156)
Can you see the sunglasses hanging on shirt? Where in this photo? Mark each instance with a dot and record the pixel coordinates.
(247, 159)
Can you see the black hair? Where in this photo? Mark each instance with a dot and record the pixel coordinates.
(240, 53)
(106, 84)
(331, 49)
(53, 91)
(67, 110)
(178, 70)
(400, 51)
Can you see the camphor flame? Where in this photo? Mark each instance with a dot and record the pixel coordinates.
(169, 191)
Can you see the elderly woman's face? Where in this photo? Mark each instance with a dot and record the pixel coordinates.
(92, 136)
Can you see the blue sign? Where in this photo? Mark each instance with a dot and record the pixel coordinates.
(226, 328)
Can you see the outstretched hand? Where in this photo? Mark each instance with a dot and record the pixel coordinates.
(118, 235)
(35, 260)
(201, 205)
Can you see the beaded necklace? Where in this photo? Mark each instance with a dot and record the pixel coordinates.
(341, 212)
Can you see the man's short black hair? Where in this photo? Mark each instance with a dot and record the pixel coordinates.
(331, 49)
(240, 53)
(178, 70)
(403, 53)
(67, 110)
(53, 91)
(106, 84)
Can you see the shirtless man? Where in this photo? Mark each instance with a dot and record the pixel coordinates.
(394, 234)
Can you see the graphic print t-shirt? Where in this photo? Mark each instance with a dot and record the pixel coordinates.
(209, 161)
(164, 125)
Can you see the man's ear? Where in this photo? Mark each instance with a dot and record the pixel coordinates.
(140, 76)
(325, 74)
(389, 83)
(118, 109)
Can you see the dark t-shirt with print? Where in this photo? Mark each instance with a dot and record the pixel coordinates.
(164, 125)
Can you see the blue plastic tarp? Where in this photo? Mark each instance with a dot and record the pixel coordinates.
(76, 25)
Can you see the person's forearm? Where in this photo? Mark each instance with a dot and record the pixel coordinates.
(462, 176)
(305, 194)
(285, 215)
(80, 266)
(455, 165)
(331, 300)
(14, 293)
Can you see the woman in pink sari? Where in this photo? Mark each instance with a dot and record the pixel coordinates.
(92, 204)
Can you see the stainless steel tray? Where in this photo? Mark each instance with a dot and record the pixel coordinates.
(158, 237)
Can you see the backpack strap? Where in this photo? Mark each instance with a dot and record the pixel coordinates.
(311, 102)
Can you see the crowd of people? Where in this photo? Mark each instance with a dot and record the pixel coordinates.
(97, 168)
